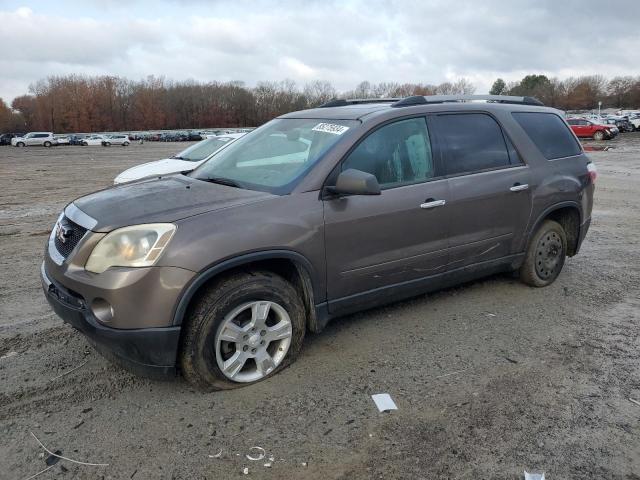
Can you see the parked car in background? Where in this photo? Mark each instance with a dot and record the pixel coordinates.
(76, 139)
(587, 129)
(315, 215)
(5, 138)
(186, 160)
(62, 139)
(622, 124)
(93, 140)
(634, 120)
(116, 139)
(44, 139)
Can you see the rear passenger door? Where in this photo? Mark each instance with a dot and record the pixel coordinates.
(489, 196)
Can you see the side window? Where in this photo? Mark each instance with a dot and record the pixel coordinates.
(549, 133)
(397, 154)
(473, 142)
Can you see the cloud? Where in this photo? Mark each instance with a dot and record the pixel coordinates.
(342, 42)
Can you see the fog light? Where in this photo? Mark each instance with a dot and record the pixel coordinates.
(102, 310)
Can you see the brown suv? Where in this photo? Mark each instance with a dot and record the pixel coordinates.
(220, 272)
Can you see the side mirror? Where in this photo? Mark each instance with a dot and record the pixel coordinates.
(355, 182)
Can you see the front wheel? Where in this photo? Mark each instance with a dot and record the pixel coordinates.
(106, 144)
(598, 135)
(20, 144)
(545, 255)
(244, 329)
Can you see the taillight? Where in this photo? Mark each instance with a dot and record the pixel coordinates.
(593, 171)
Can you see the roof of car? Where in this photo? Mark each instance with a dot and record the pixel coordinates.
(359, 111)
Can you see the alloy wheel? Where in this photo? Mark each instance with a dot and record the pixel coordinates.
(252, 340)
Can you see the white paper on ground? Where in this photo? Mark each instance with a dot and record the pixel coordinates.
(384, 402)
(533, 476)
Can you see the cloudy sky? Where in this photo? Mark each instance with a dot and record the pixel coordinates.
(343, 42)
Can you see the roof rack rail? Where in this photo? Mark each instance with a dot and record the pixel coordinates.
(341, 102)
(423, 100)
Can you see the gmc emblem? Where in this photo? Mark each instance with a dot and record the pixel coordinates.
(63, 232)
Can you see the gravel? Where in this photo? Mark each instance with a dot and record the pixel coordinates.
(490, 378)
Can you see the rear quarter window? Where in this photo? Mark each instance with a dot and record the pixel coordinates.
(549, 133)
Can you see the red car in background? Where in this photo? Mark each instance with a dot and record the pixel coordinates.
(588, 129)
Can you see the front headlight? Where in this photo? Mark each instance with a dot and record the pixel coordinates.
(135, 246)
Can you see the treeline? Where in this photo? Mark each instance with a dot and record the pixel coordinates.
(77, 103)
(576, 93)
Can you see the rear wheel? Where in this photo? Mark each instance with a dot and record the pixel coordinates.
(47, 144)
(244, 329)
(599, 135)
(545, 255)
(125, 144)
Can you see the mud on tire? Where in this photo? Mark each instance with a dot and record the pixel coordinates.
(545, 255)
(197, 357)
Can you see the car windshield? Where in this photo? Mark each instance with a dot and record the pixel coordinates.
(274, 156)
(203, 149)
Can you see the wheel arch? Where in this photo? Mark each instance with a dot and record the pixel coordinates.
(291, 265)
(567, 214)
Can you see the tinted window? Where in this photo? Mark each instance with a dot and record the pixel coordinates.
(573, 122)
(549, 133)
(397, 154)
(473, 142)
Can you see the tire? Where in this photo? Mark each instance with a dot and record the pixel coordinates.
(20, 144)
(236, 301)
(84, 144)
(125, 144)
(47, 144)
(599, 135)
(545, 255)
(106, 144)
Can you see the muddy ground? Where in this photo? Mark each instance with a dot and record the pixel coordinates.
(490, 378)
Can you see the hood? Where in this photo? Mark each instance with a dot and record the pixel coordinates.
(161, 200)
(158, 167)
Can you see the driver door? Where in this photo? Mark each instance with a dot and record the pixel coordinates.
(385, 240)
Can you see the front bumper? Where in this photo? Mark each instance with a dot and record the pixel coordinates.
(147, 351)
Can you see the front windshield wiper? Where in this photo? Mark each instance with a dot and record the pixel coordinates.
(222, 181)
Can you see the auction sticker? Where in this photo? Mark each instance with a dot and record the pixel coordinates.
(330, 128)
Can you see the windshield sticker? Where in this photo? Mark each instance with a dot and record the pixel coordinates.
(330, 128)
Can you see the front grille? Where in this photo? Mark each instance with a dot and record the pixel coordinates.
(67, 236)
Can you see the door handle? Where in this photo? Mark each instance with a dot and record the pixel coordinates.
(431, 203)
(518, 187)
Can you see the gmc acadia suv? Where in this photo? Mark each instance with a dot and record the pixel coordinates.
(220, 272)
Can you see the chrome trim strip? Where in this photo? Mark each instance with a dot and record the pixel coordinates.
(76, 215)
(53, 251)
(43, 276)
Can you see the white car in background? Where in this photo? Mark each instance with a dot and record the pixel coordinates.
(93, 140)
(44, 139)
(116, 139)
(186, 160)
